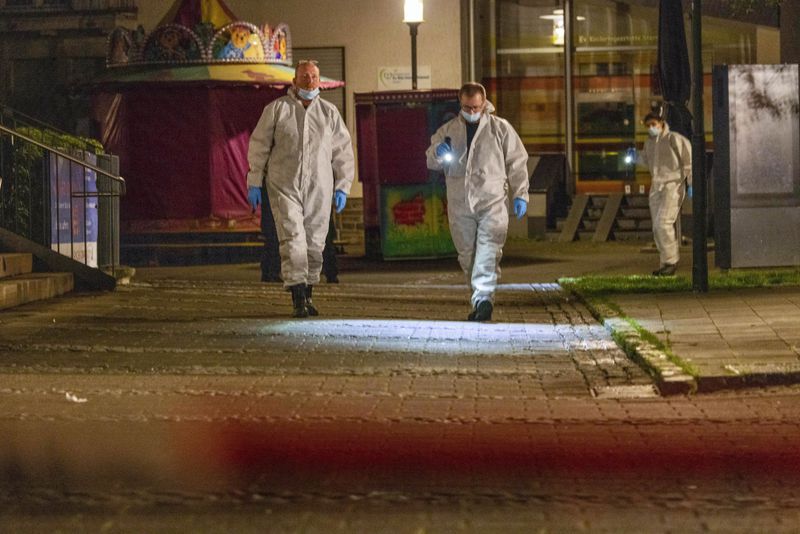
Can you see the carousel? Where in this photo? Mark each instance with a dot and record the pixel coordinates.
(177, 106)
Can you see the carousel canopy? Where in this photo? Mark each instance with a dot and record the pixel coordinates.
(213, 74)
(200, 32)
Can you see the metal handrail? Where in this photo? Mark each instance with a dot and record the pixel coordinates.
(119, 179)
(99, 222)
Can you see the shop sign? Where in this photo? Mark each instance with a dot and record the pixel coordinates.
(399, 78)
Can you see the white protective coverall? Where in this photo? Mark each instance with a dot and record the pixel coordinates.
(307, 154)
(479, 183)
(669, 159)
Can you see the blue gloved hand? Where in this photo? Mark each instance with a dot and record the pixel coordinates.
(254, 196)
(689, 191)
(442, 149)
(520, 207)
(630, 156)
(339, 200)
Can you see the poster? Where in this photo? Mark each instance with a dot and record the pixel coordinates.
(414, 222)
(73, 214)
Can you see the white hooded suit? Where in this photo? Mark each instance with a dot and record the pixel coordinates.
(668, 156)
(479, 182)
(303, 155)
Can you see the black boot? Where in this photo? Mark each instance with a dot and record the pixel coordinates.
(482, 312)
(312, 311)
(667, 269)
(299, 300)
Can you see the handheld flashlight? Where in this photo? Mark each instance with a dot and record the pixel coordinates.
(630, 154)
(449, 156)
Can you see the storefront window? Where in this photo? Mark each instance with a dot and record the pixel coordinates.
(616, 50)
(523, 70)
(521, 60)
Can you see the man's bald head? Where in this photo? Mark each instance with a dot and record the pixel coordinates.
(306, 75)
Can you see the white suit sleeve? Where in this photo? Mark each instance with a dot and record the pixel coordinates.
(260, 146)
(430, 154)
(684, 149)
(642, 157)
(342, 158)
(516, 163)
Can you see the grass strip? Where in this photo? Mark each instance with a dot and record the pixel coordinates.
(734, 279)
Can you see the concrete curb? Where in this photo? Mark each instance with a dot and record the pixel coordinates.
(709, 384)
(670, 379)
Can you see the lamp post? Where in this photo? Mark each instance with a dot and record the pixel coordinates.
(699, 200)
(413, 17)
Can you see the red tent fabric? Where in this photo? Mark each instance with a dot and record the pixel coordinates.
(184, 148)
(191, 12)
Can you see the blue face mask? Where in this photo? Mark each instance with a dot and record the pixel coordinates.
(305, 94)
(472, 118)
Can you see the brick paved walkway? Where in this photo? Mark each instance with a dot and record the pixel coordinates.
(178, 405)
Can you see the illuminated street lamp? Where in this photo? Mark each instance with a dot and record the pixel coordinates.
(413, 17)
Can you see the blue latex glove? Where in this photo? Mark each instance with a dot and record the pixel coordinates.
(520, 207)
(442, 149)
(254, 196)
(339, 200)
(689, 191)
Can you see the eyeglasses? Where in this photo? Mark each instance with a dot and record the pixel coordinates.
(472, 109)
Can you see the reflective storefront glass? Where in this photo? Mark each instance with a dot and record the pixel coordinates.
(520, 58)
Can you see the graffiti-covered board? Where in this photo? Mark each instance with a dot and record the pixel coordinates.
(414, 222)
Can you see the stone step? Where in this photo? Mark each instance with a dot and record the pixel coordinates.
(637, 201)
(190, 253)
(593, 213)
(635, 213)
(597, 201)
(634, 224)
(632, 235)
(31, 287)
(14, 264)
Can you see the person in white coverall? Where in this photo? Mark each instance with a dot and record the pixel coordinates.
(301, 150)
(668, 156)
(484, 162)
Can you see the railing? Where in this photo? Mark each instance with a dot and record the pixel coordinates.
(67, 202)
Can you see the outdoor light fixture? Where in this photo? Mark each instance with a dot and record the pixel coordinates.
(412, 15)
(558, 25)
